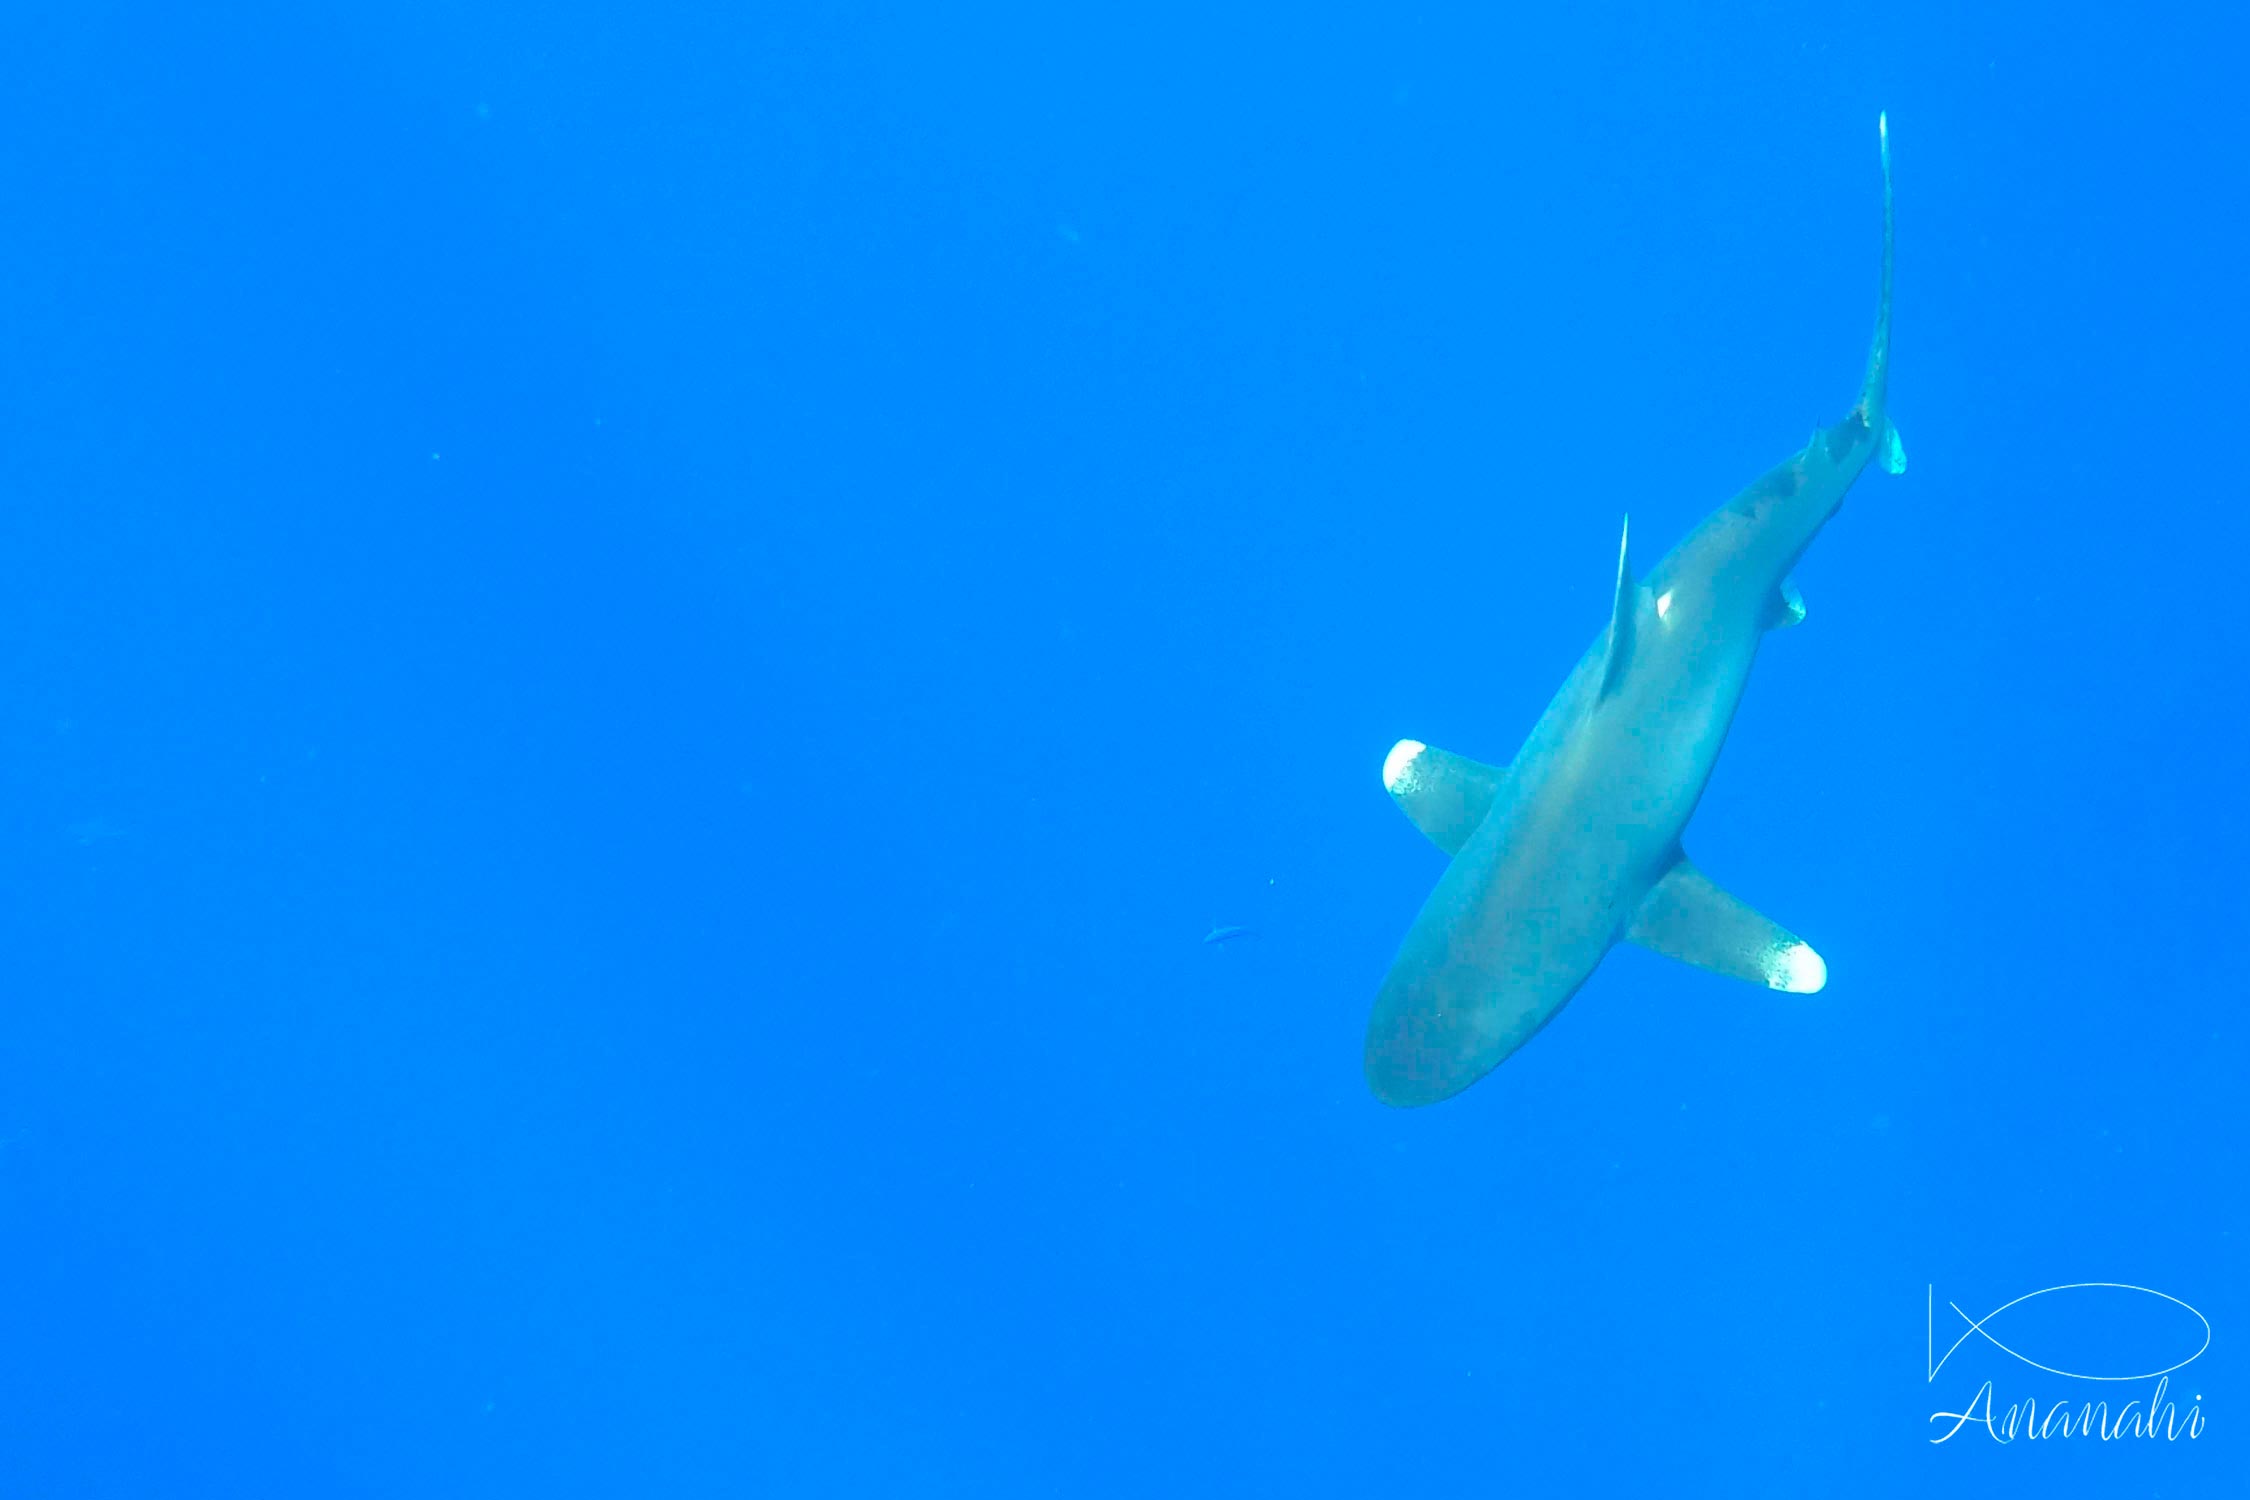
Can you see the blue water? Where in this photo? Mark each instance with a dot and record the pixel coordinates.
(637, 649)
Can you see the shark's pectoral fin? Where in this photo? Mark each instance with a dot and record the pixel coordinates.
(1621, 613)
(1893, 453)
(1688, 918)
(1786, 607)
(1443, 794)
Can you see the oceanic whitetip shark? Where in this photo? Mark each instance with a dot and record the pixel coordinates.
(1574, 846)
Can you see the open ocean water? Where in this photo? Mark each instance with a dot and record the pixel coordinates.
(640, 642)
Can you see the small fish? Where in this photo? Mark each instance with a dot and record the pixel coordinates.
(1227, 934)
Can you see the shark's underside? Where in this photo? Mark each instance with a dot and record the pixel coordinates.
(1575, 845)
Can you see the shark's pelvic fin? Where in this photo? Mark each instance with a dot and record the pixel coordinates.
(1786, 607)
(1688, 918)
(1443, 794)
(1621, 614)
(1893, 454)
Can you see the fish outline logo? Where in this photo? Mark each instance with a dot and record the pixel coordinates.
(1979, 1327)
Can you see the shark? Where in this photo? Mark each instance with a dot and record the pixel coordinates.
(1575, 845)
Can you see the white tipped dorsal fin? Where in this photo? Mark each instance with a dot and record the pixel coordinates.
(1688, 918)
(1443, 794)
(1620, 614)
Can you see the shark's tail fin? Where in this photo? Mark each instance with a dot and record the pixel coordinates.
(1875, 390)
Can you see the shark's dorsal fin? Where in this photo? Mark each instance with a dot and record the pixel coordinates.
(1443, 794)
(1620, 615)
(1786, 607)
(1688, 918)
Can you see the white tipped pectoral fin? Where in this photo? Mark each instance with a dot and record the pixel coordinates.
(1443, 794)
(1795, 969)
(1688, 918)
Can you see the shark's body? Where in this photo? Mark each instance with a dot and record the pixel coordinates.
(1575, 846)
